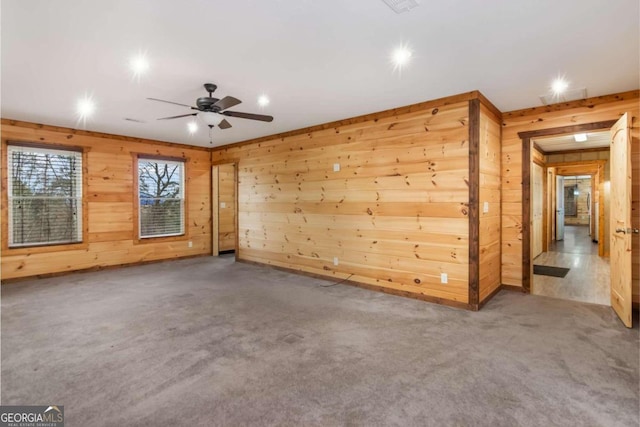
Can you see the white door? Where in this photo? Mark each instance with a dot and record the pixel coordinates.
(559, 208)
(537, 205)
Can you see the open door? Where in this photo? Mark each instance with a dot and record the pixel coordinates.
(620, 225)
(537, 204)
(559, 207)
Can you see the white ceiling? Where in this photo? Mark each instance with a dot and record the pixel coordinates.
(318, 60)
(567, 142)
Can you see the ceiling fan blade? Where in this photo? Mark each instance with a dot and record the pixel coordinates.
(227, 102)
(247, 116)
(177, 117)
(171, 102)
(224, 124)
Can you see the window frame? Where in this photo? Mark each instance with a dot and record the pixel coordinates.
(81, 201)
(138, 237)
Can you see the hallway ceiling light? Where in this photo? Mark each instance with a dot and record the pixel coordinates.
(580, 137)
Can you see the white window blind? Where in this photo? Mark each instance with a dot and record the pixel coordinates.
(45, 196)
(161, 197)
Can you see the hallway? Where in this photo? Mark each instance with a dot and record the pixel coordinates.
(588, 277)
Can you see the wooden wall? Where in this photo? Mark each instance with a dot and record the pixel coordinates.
(109, 199)
(490, 158)
(394, 216)
(590, 156)
(582, 207)
(227, 207)
(591, 110)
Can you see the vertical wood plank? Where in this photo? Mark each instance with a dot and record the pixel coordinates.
(474, 201)
(526, 214)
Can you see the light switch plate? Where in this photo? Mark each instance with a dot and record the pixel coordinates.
(336, 167)
(485, 209)
(223, 205)
(444, 278)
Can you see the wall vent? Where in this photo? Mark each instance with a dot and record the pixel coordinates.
(400, 6)
(570, 95)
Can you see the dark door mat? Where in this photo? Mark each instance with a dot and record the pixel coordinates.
(546, 270)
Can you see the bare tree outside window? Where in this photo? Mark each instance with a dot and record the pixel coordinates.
(161, 200)
(45, 196)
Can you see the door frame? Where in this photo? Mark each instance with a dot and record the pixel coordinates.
(215, 207)
(527, 137)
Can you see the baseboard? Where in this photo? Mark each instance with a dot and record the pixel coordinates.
(390, 291)
(488, 297)
(96, 268)
(513, 288)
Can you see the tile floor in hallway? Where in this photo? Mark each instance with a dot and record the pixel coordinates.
(588, 277)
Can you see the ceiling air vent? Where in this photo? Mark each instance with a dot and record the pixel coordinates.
(569, 95)
(400, 6)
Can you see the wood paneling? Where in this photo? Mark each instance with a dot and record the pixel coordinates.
(592, 110)
(227, 207)
(395, 214)
(489, 193)
(111, 203)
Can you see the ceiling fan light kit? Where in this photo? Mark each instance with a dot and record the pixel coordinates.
(210, 118)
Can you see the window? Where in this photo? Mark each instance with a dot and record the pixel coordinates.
(45, 196)
(161, 198)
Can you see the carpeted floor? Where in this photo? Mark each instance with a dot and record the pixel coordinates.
(206, 341)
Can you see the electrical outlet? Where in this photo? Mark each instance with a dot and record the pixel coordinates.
(485, 209)
(336, 167)
(335, 260)
(444, 278)
(190, 244)
(223, 205)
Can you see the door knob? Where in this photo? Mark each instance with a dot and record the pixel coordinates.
(628, 230)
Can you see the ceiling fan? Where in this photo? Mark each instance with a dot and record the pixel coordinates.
(212, 111)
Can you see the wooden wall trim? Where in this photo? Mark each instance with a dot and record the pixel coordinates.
(497, 114)
(526, 214)
(71, 132)
(12, 280)
(390, 291)
(567, 129)
(589, 103)
(512, 288)
(474, 201)
(454, 99)
(584, 150)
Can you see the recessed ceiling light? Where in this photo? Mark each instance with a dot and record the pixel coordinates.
(401, 57)
(263, 100)
(580, 137)
(559, 85)
(85, 108)
(192, 127)
(139, 65)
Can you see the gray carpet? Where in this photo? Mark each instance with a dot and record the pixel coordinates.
(209, 342)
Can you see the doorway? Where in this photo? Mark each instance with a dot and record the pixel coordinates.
(574, 244)
(620, 230)
(224, 209)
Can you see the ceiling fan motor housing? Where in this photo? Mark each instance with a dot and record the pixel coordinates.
(205, 103)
